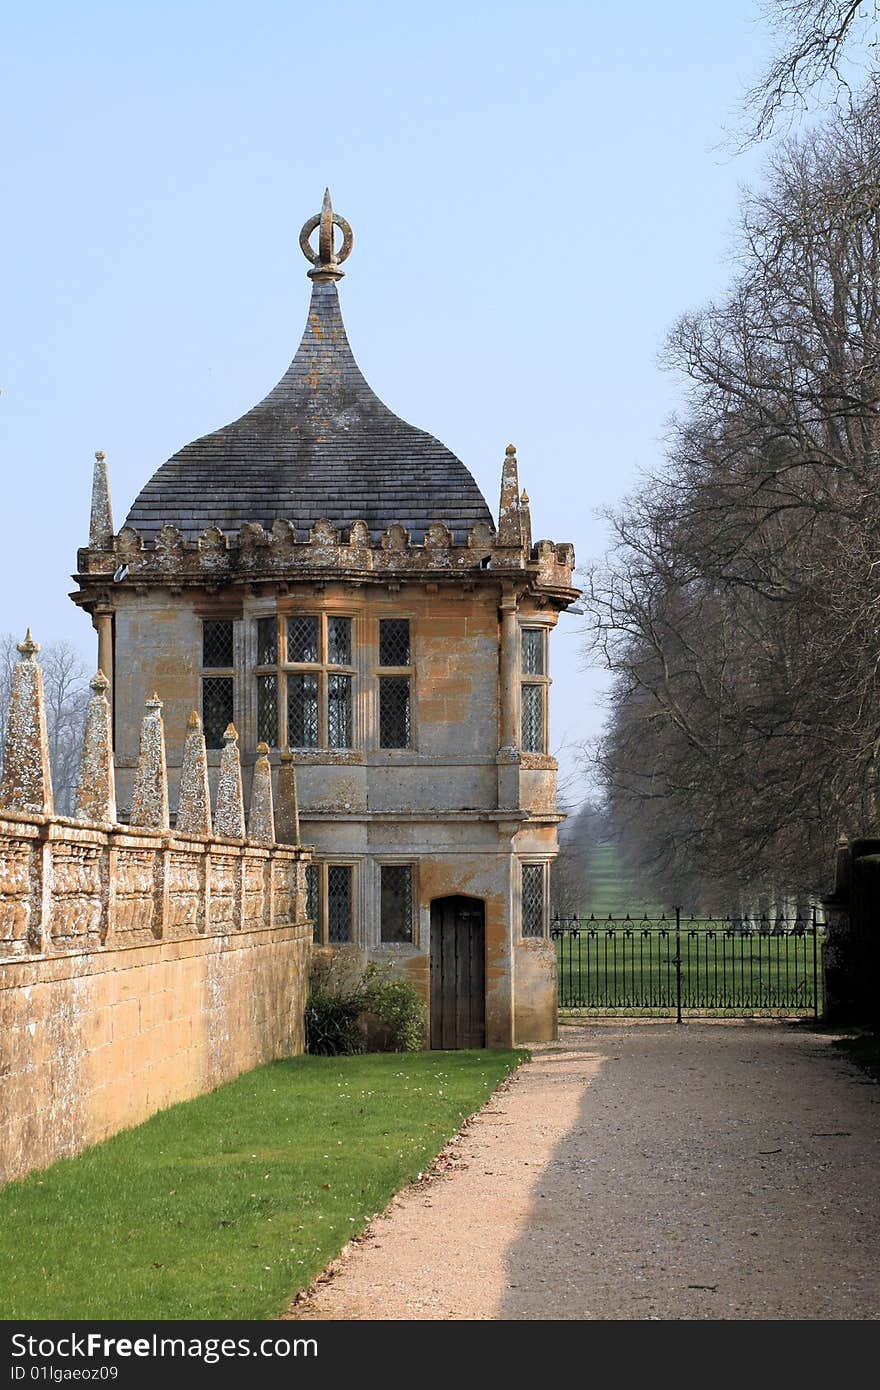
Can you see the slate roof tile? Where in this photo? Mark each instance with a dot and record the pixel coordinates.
(321, 445)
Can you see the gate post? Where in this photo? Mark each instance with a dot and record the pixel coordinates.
(677, 963)
(815, 967)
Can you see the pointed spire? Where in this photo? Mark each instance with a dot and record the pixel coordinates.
(194, 799)
(509, 525)
(149, 798)
(96, 793)
(27, 778)
(287, 810)
(101, 525)
(261, 820)
(326, 261)
(229, 815)
(525, 513)
(325, 232)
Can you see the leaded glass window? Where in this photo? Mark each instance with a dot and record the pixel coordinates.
(339, 641)
(267, 710)
(534, 689)
(313, 898)
(396, 902)
(533, 718)
(533, 877)
(306, 708)
(339, 711)
(533, 651)
(394, 712)
(217, 708)
(394, 641)
(339, 903)
(267, 641)
(217, 646)
(302, 639)
(302, 711)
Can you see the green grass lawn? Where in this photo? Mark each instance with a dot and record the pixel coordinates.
(226, 1206)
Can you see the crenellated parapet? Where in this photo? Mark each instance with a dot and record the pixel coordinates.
(252, 554)
(255, 553)
(555, 564)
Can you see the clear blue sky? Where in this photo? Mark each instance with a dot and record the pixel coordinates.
(536, 192)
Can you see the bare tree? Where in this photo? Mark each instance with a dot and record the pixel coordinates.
(67, 696)
(8, 658)
(741, 608)
(570, 876)
(814, 38)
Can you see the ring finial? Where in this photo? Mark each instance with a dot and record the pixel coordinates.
(326, 260)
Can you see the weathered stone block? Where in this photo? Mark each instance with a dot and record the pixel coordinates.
(77, 895)
(16, 871)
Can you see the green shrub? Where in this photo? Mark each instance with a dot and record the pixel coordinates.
(371, 1011)
(332, 1022)
(397, 1006)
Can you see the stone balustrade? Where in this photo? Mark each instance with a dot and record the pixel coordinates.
(139, 964)
(86, 882)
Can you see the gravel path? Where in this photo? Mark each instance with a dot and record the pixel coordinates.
(639, 1170)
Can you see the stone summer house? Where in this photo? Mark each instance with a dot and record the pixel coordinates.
(329, 580)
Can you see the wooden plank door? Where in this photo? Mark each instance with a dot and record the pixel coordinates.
(458, 973)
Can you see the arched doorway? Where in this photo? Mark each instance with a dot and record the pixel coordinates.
(458, 973)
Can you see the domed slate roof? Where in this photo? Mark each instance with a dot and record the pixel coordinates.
(321, 444)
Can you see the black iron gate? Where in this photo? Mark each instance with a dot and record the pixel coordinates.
(694, 965)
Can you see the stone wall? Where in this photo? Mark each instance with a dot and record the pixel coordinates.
(455, 731)
(139, 966)
(536, 1014)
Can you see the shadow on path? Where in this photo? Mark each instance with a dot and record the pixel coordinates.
(711, 1171)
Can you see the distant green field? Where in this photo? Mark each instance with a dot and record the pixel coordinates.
(611, 891)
